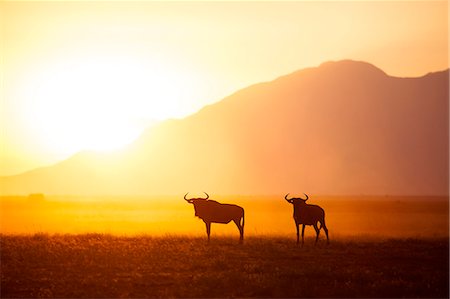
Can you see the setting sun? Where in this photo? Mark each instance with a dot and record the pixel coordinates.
(100, 103)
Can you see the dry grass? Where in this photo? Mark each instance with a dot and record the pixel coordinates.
(99, 266)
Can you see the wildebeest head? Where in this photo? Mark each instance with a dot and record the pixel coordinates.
(198, 203)
(193, 200)
(296, 200)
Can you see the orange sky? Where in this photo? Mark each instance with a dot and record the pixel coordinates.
(81, 75)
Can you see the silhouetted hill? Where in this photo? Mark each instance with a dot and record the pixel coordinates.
(341, 128)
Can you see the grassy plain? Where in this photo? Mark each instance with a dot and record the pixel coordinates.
(108, 247)
(108, 266)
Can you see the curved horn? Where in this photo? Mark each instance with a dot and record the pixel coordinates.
(289, 200)
(188, 200)
(207, 196)
(306, 197)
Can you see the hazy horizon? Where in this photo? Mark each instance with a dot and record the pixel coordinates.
(347, 216)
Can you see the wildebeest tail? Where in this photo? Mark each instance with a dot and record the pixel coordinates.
(243, 218)
(322, 223)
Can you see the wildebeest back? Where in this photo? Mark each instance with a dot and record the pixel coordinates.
(212, 211)
(308, 213)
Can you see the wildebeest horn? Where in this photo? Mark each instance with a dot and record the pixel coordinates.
(207, 196)
(287, 199)
(306, 197)
(188, 200)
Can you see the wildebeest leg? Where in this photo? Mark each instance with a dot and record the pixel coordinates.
(298, 234)
(208, 229)
(303, 234)
(241, 229)
(317, 232)
(325, 229)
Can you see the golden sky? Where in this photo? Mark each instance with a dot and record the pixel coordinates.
(93, 75)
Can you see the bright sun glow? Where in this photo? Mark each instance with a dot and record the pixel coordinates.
(100, 103)
(77, 75)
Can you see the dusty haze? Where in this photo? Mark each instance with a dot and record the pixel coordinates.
(264, 215)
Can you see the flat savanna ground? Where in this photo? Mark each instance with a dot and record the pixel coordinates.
(70, 247)
(108, 266)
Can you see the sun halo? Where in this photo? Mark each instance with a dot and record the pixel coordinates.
(98, 103)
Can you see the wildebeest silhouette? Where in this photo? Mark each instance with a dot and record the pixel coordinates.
(211, 211)
(307, 214)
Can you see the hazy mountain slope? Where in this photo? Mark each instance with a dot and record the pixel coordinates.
(342, 128)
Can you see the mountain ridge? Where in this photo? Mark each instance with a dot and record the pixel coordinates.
(310, 117)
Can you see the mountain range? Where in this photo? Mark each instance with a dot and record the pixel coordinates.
(342, 128)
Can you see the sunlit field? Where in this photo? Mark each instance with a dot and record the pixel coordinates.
(155, 247)
(265, 215)
(107, 266)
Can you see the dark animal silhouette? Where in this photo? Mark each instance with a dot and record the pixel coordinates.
(307, 214)
(211, 211)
